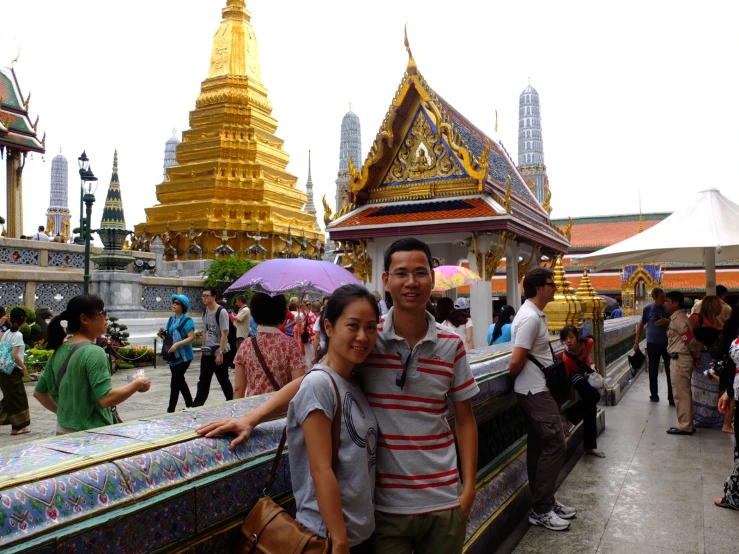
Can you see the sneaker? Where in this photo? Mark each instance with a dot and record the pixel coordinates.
(565, 512)
(550, 520)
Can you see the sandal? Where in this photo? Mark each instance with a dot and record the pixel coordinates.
(676, 431)
(597, 453)
(23, 431)
(722, 503)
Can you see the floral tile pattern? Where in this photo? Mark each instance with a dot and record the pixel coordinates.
(90, 444)
(35, 507)
(149, 471)
(143, 430)
(26, 459)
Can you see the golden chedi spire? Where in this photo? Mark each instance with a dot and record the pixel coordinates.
(566, 308)
(594, 305)
(231, 170)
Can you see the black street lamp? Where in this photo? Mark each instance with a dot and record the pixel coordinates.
(89, 186)
(84, 164)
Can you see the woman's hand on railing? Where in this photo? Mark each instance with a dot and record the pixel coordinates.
(240, 426)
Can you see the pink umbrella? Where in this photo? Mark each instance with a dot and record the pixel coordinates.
(452, 276)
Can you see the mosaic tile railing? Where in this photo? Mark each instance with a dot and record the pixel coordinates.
(194, 295)
(56, 295)
(19, 256)
(12, 292)
(157, 298)
(66, 259)
(153, 485)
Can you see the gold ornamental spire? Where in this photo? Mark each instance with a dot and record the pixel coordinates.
(235, 51)
(412, 68)
(567, 307)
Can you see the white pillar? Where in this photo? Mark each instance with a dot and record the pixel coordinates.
(709, 260)
(481, 303)
(513, 286)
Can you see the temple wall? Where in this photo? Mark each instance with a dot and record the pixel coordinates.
(153, 485)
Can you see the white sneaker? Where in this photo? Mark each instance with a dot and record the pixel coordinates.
(550, 520)
(565, 512)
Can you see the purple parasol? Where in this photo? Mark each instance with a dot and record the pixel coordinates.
(283, 275)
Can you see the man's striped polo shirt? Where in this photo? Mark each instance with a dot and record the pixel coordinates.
(416, 460)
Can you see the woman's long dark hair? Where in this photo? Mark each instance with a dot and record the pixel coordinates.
(89, 305)
(458, 317)
(444, 308)
(17, 318)
(337, 303)
(505, 316)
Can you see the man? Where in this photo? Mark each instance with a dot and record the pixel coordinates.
(380, 302)
(41, 235)
(546, 449)
(685, 352)
(242, 320)
(215, 345)
(618, 312)
(418, 503)
(721, 292)
(655, 318)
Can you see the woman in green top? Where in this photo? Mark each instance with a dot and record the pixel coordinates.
(83, 398)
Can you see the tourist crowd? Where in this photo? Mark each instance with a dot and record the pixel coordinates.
(386, 367)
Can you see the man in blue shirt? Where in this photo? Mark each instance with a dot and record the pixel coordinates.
(656, 318)
(618, 312)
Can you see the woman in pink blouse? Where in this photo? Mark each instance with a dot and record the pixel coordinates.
(281, 353)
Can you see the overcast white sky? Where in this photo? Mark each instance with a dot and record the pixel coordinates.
(635, 96)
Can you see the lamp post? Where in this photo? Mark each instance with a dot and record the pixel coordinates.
(89, 186)
(84, 164)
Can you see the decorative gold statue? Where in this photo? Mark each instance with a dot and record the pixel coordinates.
(167, 238)
(327, 213)
(192, 246)
(224, 249)
(257, 248)
(287, 252)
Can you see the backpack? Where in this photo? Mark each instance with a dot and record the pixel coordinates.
(231, 328)
(7, 361)
(715, 349)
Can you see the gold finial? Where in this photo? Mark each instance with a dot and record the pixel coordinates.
(547, 204)
(326, 212)
(27, 101)
(16, 58)
(509, 196)
(412, 68)
(496, 121)
(568, 231)
(60, 148)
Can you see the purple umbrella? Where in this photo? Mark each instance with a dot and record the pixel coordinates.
(283, 275)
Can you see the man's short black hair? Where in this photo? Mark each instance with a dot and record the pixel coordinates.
(241, 298)
(677, 297)
(268, 310)
(536, 277)
(656, 291)
(41, 227)
(619, 301)
(721, 290)
(407, 245)
(212, 291)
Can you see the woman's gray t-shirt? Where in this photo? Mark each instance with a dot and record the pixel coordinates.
(357, 453)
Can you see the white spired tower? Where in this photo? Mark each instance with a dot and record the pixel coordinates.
(350, 147)
(530, 143)
(310, 205)
(57, 216)
(170, 149)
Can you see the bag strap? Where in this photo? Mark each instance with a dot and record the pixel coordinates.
(578, 361)
(263, 363)
(63, 368)
(537, 363)
(335, 439)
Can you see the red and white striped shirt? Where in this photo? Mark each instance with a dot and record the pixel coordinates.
(416, 460)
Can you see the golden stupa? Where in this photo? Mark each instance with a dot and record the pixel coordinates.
(229, 190)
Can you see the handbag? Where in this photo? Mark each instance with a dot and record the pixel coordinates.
(556, 377)
(168, 340)
(268, 528)
(595, 379)
(636, 360)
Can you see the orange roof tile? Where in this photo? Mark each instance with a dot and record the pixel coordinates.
(600, 235)
(477, 208)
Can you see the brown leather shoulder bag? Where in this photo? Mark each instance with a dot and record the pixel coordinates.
(268, 528)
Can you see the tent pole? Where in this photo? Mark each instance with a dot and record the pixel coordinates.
(709, 260)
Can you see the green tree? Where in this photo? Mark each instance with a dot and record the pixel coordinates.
(117, 332)
(224, 272)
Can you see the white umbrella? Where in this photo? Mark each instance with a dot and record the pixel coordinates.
(704, 231)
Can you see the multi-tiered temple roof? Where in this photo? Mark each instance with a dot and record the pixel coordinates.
(430, 170)
(16, 129)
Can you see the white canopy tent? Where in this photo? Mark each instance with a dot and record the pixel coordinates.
(705, 231)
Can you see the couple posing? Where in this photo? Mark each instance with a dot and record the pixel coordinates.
(397, 488)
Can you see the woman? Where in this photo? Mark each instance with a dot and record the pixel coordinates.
(337, 504)
(444, 308)
(83, 397)
(500, 331)
(182, 329)
(461, 323)
(311, 319)
(726, 378)
(705, 390)
(576, 358)
(727, 406)
(14, 405)
(291, 317)
(280, 352)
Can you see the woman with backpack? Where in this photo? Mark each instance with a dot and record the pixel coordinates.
(708, 330)
(181, 329)
(14, 405)
(76, 383)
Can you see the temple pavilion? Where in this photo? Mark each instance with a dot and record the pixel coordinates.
(432, 174)
(229, 189)
(18, 138)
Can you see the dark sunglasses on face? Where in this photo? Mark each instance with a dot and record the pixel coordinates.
(405, 359)
(104, 312)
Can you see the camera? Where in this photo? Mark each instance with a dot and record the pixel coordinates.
(207, 350)
(717, 368)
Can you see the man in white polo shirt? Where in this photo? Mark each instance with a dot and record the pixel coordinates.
(546, 449)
